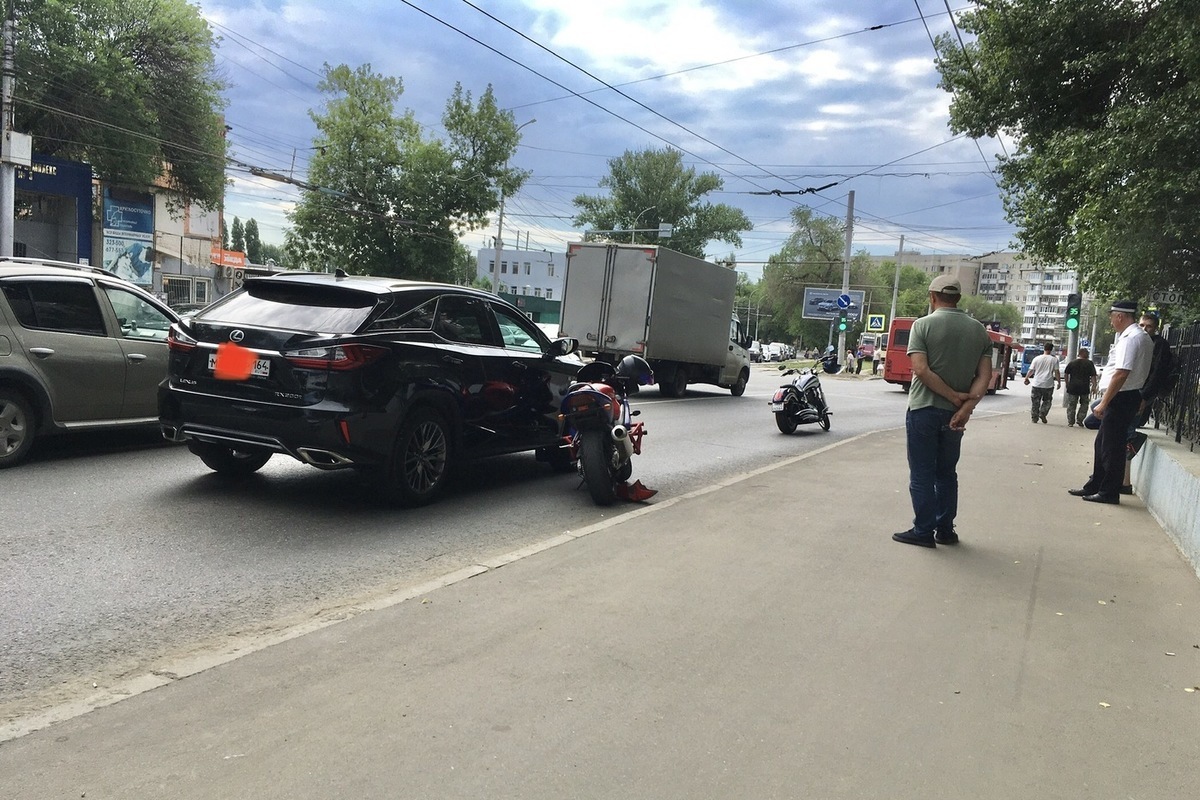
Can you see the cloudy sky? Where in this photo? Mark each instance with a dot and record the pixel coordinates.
(769, 94)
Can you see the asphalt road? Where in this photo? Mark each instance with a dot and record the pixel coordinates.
(117, 551)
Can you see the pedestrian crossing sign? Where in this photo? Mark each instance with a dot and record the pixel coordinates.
(875, 323)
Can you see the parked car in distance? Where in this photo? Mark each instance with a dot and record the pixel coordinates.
(79, 349)
(399, 379)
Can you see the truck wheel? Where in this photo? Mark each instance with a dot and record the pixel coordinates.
(739, 387)
(17, 424)
(679, 383)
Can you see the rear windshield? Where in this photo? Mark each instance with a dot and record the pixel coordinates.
(294, 307)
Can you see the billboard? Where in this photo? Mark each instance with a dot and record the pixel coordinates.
(129, 235)
(823, 304)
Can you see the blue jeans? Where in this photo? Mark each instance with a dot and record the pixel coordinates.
(933, 451)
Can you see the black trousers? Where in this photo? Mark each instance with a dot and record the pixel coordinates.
(1109, 469)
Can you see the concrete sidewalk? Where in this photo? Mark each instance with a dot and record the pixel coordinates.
(763, 639)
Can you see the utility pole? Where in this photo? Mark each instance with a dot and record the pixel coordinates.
(841, 351)
(500, 227)
(8, 169)
(896, 282)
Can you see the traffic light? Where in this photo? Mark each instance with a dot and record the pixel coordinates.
(1074, 300)
(842, 322)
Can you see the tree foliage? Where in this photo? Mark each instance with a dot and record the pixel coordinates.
(238, 232)
(650, 187)
(253, 241)
(128, 86)
(1103, 101)
(812, 256)
(386, 199)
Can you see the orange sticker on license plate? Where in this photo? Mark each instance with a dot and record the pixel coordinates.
(233, 362)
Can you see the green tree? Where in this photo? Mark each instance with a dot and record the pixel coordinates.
(274, 253)
(650, 187)
(985, 311)
(1102, 98)
(253, 242)
(389, 201)
(912, 297)
(239, 236)
(812, 256)
(224, 234)
(128, 86)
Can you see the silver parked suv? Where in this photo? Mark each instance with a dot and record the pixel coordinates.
(79, 349)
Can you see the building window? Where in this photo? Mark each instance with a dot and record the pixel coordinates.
(492, 265)
(549, 294)
(550, 269)
(503, 267)
(537, 292)
(528, 268)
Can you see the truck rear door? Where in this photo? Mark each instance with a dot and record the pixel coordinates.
(607, 296)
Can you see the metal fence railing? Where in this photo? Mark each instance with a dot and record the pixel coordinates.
(1179, 412)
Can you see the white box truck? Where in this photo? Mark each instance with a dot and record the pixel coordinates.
(674, 310)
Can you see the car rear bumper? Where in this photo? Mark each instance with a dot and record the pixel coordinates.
(324, 437)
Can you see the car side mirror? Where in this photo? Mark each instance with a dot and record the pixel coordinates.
(563, 347)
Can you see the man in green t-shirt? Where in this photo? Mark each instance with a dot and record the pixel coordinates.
(952, 367)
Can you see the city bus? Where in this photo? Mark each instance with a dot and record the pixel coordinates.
(897, 366)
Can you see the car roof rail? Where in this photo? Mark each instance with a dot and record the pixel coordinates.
(50, 262)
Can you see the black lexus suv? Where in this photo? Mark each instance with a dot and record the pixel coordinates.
(398, 378)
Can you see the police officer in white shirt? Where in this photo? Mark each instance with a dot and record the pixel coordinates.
(1120, 395)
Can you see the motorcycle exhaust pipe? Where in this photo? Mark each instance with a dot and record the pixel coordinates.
(808, 415)
(620, 435)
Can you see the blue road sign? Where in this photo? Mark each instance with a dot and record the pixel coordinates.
(843, 301)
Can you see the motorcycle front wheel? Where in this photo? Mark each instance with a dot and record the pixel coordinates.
(595, 460)
(823, 420)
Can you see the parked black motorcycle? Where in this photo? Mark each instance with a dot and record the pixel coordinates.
(802, 401)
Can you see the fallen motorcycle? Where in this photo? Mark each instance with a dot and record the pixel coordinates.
(801, 402)
(600, 430)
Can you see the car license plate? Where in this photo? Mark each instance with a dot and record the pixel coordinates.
(262, 366)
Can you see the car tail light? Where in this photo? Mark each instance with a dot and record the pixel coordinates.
(179, 341)
(341, 358)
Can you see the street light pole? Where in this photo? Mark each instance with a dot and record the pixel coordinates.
(633, 231)
(500, 225)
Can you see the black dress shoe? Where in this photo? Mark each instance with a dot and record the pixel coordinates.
(912, 537)
(1102, 498)
(1078, 492)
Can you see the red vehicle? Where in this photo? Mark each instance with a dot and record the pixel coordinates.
(897, 367)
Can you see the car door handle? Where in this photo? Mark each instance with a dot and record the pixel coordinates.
(452, 360)
(41, 352)
(136, 358)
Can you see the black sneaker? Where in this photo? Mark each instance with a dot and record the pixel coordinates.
(912, 537)
(945, 537)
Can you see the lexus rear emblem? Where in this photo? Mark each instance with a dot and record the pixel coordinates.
(236, 335)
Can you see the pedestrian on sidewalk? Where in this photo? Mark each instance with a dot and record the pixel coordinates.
(876, 360)
(1043, 374)
(849, 362)
(951, 357)
(1159, 382)
(1121, 383)
(1081, 378)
